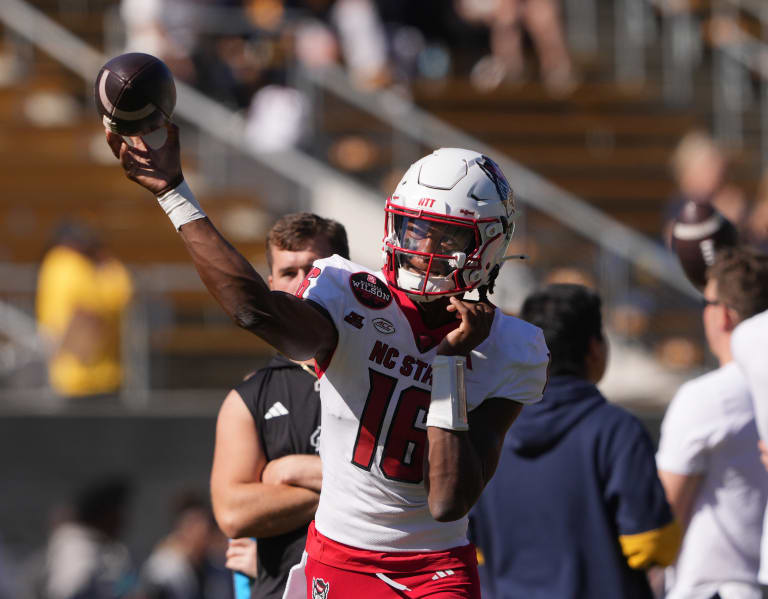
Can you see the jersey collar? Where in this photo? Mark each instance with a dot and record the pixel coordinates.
(425, 338)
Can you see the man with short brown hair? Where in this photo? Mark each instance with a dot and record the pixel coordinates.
(707, 458)
(741, 277)
(294, 232)
(266, 472)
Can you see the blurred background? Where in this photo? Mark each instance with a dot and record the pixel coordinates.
(604, 115)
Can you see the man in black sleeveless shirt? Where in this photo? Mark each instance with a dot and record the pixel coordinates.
(266, 476)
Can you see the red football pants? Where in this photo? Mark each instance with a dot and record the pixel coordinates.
(349, 573)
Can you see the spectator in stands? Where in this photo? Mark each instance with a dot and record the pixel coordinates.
(363, 42)
(181, 565)
(756, 228)
(707, 456)
(506, 20)
(699, 168)
(205, 43)
(570, 274)
(84, 557)
(277, 118)
(82, 295)
(327, 32)
(590, 516)
(157, 27)
(266, 473)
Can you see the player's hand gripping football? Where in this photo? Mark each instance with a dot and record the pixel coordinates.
(476, 320)
(156, 169)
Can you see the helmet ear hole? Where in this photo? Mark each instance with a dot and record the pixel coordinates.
(475, 276)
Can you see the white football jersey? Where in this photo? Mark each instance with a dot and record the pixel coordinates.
(375, 393)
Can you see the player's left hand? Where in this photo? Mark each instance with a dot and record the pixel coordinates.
(476, 320)
(241, 556)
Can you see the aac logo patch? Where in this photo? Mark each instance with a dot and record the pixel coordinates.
(369, 291)
(320, 588)
(383, 326)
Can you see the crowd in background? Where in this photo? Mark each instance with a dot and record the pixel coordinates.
(381, 44)
(86, 557)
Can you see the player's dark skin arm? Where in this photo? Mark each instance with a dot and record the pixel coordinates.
(458, 464)
(281, 319)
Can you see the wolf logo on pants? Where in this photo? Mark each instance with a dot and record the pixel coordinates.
(320, 588)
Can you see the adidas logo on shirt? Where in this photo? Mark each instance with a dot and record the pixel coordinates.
(442, 574)
(276, 410)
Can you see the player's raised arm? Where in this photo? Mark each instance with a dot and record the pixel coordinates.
(288, 323)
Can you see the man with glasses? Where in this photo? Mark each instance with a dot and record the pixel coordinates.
(707, 459)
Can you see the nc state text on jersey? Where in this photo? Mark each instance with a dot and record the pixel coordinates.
(388, 357)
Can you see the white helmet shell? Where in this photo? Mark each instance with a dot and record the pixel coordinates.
(457, 188)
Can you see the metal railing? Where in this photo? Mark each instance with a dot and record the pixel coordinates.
(741, 64)
(535, 191)
(331, 193)
(738, 70)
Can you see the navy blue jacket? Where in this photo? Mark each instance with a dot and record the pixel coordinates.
(576, 474)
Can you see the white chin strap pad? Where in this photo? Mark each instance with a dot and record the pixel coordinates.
(408, 280)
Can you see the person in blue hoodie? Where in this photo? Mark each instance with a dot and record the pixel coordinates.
(576, 509)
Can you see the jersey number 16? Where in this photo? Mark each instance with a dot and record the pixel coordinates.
(402, 458)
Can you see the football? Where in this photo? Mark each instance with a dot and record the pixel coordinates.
(135, 93)
(697, 233)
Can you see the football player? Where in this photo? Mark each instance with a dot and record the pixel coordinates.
(418, 386)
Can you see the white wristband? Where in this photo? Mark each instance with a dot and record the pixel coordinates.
(180, 205)
(448, 408)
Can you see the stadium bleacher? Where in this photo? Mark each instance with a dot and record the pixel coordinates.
(607, 143)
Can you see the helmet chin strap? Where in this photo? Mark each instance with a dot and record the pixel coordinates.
(484, 290)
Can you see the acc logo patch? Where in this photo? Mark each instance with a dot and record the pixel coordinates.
(369, 291)
(383, 326)
(320, 588)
